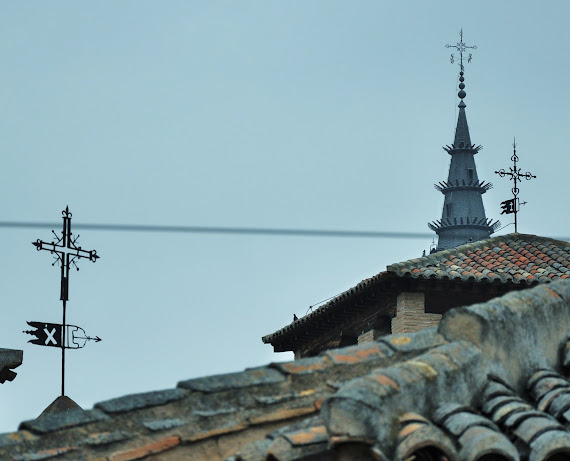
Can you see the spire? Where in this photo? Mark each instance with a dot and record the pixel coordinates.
(462, 137)
(463, 217)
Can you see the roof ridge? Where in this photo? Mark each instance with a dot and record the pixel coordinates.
(542, 238)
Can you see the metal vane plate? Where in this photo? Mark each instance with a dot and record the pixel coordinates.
(50, 334)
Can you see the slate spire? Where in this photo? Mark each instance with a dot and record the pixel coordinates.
(463, 218)
(462, 130)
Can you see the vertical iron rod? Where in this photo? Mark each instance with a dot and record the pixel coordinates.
(515, 178)
(64, 295)
(63, 352)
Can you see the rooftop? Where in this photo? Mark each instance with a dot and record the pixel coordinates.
(492, 380)
(519, 259)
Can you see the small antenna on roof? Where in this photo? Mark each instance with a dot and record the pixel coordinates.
(432, 247)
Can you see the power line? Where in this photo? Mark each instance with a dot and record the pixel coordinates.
(228, 230)
(222, 230)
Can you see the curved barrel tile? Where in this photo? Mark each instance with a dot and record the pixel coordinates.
(419, 439)
(476, 435)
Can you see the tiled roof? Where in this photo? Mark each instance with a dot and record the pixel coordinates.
(9, 359)
(518, 258)
(199, 411)
(492, 380)
(512, 258)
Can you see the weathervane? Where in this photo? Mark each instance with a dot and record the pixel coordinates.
(461, 47)
(65, 336)
(513, 205)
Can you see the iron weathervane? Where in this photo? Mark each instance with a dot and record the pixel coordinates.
(66, 253)
(513, 205)
(462, 48)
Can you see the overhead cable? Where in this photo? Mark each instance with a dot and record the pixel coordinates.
(270, 231)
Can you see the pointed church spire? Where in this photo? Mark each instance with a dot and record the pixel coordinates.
(462, 130)
(463, 217)
(462, 137)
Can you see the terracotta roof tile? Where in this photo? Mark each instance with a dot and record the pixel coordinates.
(359, 354)
(144, 400)
(158, 446)
(514, 257)
(508, 256)
(13, 438)
(302, 366)
(249, 378)
(308, 436)
(52, 423)
(43, 454)
(297, 444)
(105, 438)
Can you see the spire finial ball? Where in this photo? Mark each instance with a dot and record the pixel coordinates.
(462, 94)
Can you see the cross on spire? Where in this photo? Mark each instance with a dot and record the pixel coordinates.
(66, 252)
(513, 205)
(462, 48)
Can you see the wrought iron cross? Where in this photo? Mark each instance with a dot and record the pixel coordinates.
(461, 47)
(66, 252)
(513, 205)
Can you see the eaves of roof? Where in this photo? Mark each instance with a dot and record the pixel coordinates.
(338, 304)
(513, 258)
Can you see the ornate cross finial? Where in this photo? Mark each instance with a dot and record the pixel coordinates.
(461, 47)
(513, 205)
(65, 252)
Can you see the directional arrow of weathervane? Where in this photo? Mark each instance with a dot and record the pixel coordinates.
(89, 338)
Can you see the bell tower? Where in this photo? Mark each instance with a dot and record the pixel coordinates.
(463, 217)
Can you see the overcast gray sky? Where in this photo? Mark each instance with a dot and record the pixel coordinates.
(323, 115)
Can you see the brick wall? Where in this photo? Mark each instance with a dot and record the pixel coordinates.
(411, 315)
(367, 337)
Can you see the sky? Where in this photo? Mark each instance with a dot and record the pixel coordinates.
(311, 115)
